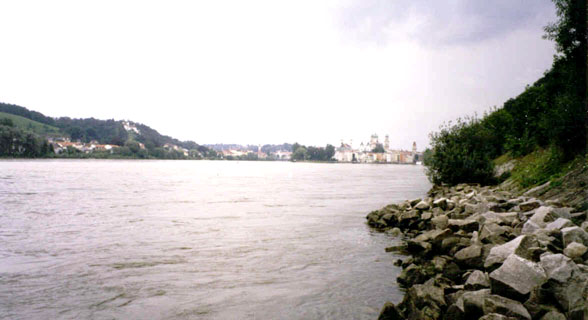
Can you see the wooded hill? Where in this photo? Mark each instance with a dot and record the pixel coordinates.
(20, 121)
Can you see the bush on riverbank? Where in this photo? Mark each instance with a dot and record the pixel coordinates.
(549, 115)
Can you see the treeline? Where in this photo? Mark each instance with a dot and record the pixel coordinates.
(549, 115)
(15, 142)
(310, 153)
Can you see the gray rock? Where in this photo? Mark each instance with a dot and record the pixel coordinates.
(517, 277)
(467, 225)
(424, 302)
(505, 306)
(529, 205)
(472, 256)
(414, 202)
(395, 232)
(440, 222)
(469, 208)
(390, 312)
(493, 233)
(530, 227)
(507, 218)
(450, 205)
(543, 215)
(553, 315)
(422, 206)
(477, 280)
(567, 284)
(574, 234)
(585, 226)
(427, 215)
(575, 250)
(440, 203)
(520, 246)
(559, 224)
(473, 303)
(411, 275)
(558, 267)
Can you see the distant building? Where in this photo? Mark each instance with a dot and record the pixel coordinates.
(347, 153)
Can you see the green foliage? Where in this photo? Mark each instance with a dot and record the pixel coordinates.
(379, 148)
(461, 153)
(27, 124)
(551, 112)
(311, 153)
(538, 167)
(15, 142)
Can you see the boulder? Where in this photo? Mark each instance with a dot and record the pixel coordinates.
(450, 205)
(520, 246)
(559, 224)
(467, 225)
(414, 202)
(477, 280)
(554, 315)
(449, 244)
(418, 247)
(566, 282)
(517, 277)
(440, 203)
(575, 250)
(440, 222)
(543, 215)
(470, 257)
(473, 303)
(424, 302)
(501, 305)
(585, 226)
(574, 234)
(558, 267)
(411, 275)
(407, 217)
(507, 218)
(494, 233)
(530, 227)
(422, 206)
(390, 312)
(529, 205)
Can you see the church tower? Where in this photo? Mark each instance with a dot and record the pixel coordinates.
(387, 143)
(414, 150)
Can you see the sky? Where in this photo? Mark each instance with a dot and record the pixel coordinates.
(269, 71)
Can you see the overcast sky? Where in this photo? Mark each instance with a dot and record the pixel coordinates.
(254, 72)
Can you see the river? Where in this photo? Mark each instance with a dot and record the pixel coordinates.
(104, 239)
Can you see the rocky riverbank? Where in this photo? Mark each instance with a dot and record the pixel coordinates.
(483, 253)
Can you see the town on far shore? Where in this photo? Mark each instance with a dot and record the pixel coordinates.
(372, 151)
(376, 152)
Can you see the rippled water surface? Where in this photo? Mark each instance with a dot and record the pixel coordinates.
(196, 239)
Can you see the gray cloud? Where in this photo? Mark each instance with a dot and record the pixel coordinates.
(443, 22)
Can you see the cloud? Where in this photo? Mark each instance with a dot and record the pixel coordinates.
(438, 23)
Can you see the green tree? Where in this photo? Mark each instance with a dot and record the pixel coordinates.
(299, 154)
(329, 152)
(379, 148)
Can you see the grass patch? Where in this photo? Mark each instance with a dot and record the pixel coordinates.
(30, 125)
(539, 167)
(502, 159)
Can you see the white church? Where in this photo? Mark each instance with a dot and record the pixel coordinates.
(367, 153)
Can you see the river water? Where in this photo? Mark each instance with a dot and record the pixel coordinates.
(109, 239)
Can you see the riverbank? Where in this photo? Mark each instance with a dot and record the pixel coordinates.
(487, 253)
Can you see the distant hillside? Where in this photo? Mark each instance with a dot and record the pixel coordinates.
(114, 132)
(30, 125)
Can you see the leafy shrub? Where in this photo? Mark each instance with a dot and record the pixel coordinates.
(461, 153)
